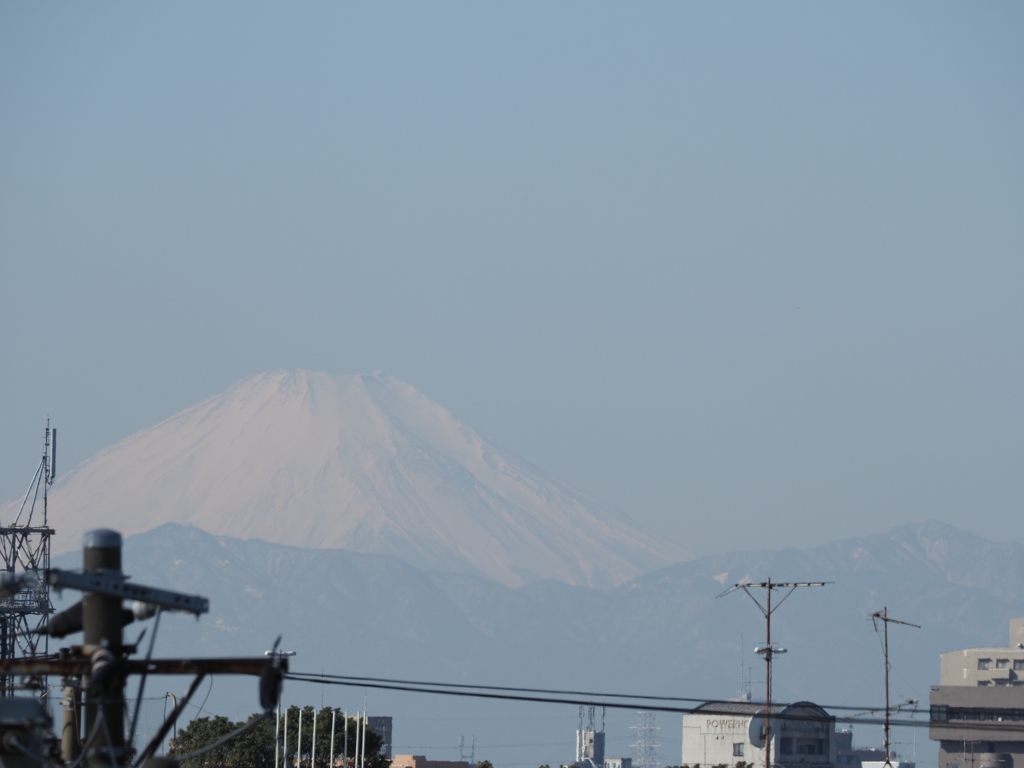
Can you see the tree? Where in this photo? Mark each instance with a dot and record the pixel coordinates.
(252, 749)
(255, 748)
(199, 733)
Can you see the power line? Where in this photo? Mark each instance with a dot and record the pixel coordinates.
(358, 681)
(450, 690)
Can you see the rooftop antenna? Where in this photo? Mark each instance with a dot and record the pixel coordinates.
(768, 650)
(884, 617)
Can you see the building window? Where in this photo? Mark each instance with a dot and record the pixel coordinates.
(984, 663)
(787, 745)
(737, 749)
(1002, 663)
(1018, 663)
(984, 682)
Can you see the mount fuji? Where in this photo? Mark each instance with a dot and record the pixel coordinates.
(362, 463)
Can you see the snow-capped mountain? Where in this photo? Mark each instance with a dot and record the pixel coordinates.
(362, 463)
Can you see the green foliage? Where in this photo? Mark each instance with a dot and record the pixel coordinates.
(255, 747)
(480, 764)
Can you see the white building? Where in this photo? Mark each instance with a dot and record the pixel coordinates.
(728, 733)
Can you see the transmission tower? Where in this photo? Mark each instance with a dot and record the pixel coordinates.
(25, 546)
(471, 757)
(645, 750)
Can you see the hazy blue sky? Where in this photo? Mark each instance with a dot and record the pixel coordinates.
(751, 272)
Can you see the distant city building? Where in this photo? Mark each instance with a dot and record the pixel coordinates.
(977, 710)
(590, 748)
(382, 727)
(618, 762)
(727, 733)
(419, 761)
(850, 756)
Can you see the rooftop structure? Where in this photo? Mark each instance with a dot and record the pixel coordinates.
(420, 761)
(802, 734)
(977, 710)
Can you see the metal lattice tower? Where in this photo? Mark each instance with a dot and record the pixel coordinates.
(25, 546)
(645, 750)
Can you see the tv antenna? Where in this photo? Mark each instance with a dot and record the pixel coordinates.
(884, 617)
(768, 650)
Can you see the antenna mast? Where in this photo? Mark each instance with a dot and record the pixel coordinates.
(883, 616)
(26, 547)
(768, 650)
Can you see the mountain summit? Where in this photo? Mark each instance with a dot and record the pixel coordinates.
(362, 463)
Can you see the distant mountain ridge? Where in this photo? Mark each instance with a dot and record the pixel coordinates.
(362, 463)
(664, 633)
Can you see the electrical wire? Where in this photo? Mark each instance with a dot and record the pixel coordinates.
(169, 721)
(207, 696)
(475, 692)
(142, 680)
(364, 681)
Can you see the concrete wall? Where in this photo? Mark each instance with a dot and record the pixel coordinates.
(995, 666)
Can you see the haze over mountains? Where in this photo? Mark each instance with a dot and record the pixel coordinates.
(361, 463)
(663, 633)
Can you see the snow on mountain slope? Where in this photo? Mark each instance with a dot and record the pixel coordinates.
(363, 463)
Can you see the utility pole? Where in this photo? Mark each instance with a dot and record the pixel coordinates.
(276, 728)
(102, 660)
(101, 623)
(883, 616)
(769, 650)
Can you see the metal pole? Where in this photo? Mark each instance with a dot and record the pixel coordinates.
(334, 720)
(312, 757)
(768, 681)
(346, 739)
(277, 736)
(360, 736)
(284, 751)
(298, 746)
(883, 616)
(101, 622)
(362, 760)
(70, 742)
(885, 634)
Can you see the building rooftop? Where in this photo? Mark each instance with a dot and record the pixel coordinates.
(737, 707)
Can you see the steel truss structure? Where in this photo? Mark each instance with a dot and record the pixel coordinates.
(25, 548)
